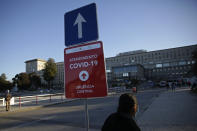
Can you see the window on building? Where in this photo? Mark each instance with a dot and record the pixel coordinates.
(108, 71)
(158, 65)
(125, 74)
(174, 54)
(174, 64)
(182, 63)
(188, 52)
(166, 65)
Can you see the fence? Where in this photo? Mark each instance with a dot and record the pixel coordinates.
(34, 100)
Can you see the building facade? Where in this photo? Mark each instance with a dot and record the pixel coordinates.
(59, 78)
(161, 64)
(37, 66)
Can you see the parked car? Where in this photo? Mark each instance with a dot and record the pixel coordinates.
(150, 83)
(162, 83)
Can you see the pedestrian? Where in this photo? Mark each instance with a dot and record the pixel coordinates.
(8, 97)
(123, 119)
(168, 85)
(189, 84)
(173, 86)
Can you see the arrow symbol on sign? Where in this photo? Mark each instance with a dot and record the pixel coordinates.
(79, 20)
(84, 75)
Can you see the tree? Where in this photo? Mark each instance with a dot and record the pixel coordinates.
(4, 84)
(194, 56)
(22, 81)
(50, 71)
(34, 80)
(3, 76)
(14, 80)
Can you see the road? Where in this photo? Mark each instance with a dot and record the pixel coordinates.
(71, 115)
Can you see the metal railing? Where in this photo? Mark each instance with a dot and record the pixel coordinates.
(34, 99)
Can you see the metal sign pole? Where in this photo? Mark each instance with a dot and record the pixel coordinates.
(86, 114)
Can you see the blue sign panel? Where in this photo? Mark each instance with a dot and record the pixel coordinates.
(81, 25)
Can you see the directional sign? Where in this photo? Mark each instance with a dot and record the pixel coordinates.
(85, 71)
(81, 25)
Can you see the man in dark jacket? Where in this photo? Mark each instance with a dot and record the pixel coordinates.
(123, 120)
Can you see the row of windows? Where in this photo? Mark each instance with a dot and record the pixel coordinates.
(125, 69)
(160, 65)
(172, 68)
(171, 73)
(180, 63)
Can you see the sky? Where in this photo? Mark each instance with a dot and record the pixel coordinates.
(31, 29)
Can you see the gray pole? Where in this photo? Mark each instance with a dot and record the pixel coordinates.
(86, 114)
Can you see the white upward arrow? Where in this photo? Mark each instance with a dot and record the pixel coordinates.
(79, 21)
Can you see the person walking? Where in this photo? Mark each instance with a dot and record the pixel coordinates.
(8, 97)
(173, 86)
(123, 119)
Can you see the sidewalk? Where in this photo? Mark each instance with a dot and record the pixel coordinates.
(171, 111)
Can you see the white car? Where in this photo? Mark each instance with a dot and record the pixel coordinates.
(162, 83)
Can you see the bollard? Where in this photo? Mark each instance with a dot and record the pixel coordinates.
(50, 98)
(36, 99)
(19, 101)
(134, 90)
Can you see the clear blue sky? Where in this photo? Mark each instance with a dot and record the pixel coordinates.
(32, 29)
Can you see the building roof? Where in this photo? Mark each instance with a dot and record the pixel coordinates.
(59, 63)
(35, 60)
(144, 51)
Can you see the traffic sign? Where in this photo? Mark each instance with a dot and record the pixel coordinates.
(81, 25)
(85, 71)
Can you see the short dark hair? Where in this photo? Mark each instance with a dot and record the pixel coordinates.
(126, 103)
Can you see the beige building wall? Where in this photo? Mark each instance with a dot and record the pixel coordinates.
(34, 65)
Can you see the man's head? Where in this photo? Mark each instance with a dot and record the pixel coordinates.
(127, 104)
